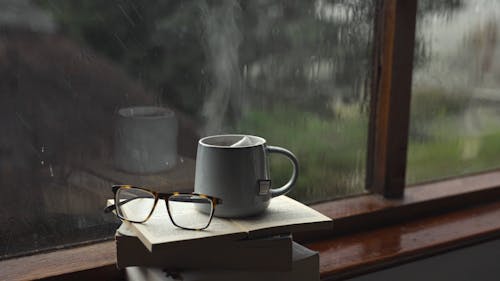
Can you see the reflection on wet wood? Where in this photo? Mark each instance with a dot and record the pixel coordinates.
(74, 262)
(362, 252)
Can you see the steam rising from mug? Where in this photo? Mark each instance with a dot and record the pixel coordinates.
(222, 40)
(235, 168)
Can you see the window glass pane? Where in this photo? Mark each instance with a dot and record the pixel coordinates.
(74, 73)
(455, 109)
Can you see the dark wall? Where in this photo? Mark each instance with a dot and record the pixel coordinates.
(480, 262)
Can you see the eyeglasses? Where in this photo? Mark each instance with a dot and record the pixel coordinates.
(191, 211)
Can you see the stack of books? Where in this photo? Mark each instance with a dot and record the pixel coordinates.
(256, 248)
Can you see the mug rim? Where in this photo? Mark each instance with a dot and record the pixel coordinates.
(152, 112)
(261, 142)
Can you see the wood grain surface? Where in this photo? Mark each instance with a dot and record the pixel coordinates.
(354, 254)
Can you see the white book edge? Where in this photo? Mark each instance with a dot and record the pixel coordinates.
(232, 254)
(305, 267)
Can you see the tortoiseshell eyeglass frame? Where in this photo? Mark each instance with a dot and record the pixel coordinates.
(165, 196)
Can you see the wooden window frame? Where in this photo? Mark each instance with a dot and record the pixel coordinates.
(390, 202)
(394, 41)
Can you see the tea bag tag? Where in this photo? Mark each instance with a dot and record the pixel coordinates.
(264, 187)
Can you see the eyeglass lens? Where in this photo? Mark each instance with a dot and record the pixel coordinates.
(190, 211)
(134, 204)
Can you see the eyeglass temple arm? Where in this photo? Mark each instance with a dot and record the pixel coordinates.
(195, 200)
(188, 199)
(111, 208)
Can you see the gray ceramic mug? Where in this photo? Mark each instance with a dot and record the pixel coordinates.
(235, 168)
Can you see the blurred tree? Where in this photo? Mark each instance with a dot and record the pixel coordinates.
(295, 52)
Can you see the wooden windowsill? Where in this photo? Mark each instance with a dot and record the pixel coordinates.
(370, 232)
(368, 211)
(61, 263)
(358, 253)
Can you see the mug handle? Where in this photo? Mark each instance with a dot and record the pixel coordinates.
(293, 179)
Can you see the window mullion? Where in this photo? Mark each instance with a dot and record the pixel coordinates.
(391, 92)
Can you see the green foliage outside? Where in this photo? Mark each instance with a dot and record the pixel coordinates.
(444, 159)
(441, 144)
(431, 104)
(331, 152)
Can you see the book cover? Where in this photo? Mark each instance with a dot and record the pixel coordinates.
(271, 253)
(305, 267)
(284, 215)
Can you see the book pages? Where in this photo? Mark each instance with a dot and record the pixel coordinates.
(160, 229)
(286, 214)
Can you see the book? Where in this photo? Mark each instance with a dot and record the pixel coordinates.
(284, 215)
(271, 253)
(305, 267)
